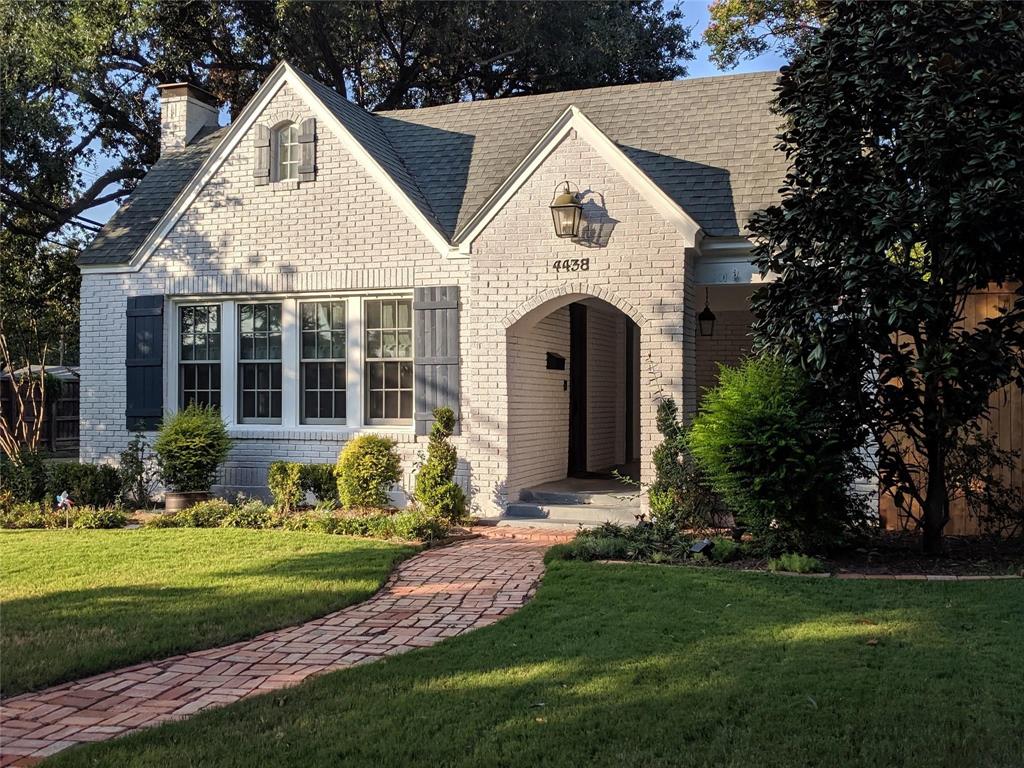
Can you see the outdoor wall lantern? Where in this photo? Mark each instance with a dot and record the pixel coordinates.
(566, 211)
(706, 318)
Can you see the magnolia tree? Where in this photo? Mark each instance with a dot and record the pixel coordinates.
(904, 127)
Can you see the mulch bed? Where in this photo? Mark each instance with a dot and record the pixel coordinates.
(899, 554)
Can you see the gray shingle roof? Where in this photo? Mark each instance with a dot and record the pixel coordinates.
(367, 130)
(128, 228)
(708, 142)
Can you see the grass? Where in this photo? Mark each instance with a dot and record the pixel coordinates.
(635, 665)
(79, 602)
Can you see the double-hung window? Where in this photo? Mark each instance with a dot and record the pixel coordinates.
(259, 363)
(322, 361)
(389, 361)
(199, 355)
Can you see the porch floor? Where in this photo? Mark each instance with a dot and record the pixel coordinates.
(574, 501)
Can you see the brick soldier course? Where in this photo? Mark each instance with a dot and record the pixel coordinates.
(435, 595)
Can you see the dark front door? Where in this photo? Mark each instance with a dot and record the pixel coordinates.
(577, 389)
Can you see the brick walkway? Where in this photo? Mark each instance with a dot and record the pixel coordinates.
(440, 593)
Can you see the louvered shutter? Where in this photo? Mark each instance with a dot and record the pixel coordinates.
(144, 362)
(436, 326)
(261, 154)
(307, 149)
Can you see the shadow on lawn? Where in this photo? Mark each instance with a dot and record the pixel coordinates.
(60, 636)
(646, 666)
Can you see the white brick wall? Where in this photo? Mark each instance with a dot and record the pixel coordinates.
(538, 401)
(342, 232)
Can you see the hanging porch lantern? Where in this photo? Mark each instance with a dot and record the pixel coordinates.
(706, 318)
(566, 212)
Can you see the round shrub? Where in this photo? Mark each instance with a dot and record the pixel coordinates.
(368, 467)
(99, 517)
(782, 463)
(191, 446)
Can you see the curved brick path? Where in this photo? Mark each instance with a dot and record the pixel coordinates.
(434, 595)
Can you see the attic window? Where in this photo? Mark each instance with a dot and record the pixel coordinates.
(286, 144)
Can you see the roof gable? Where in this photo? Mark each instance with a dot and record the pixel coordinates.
(701, 150)
(707, 142)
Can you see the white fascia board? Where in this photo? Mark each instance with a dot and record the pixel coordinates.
(574, 119)
(283, 74)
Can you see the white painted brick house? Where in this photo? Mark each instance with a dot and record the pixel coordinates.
(319, 271)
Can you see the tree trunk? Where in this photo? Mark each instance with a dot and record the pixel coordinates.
(936, 504)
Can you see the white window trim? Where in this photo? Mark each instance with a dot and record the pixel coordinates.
(291, 353)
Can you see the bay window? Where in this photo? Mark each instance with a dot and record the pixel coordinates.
(290, 362)
(199, 355)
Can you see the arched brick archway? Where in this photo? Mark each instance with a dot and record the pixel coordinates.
(548, 301)
(583, 418)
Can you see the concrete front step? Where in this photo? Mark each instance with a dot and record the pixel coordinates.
(589, 514)
(545, 524)
(600, 498)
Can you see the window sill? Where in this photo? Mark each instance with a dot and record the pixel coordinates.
(286, 184)
(317, 432)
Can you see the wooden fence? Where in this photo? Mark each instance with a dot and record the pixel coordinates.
(60, 421)
(1005, 424)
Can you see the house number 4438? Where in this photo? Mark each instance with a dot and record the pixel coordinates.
(571, 265)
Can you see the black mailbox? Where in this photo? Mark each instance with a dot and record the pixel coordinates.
(555, 362)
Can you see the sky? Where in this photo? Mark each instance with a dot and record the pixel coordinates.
(695, 15)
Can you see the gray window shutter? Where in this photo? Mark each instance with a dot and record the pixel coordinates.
(307, 149)
(261, 154)
(436, 326)
(144, 362)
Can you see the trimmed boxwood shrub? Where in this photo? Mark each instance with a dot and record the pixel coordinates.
(780, 460)
(191, 446)
(284, 479)
(436, 489)
(97, 485)
(368, 467)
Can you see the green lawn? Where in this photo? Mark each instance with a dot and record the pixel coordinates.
(651, 666)
(79, 602)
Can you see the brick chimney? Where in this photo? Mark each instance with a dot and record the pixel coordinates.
(185, 110)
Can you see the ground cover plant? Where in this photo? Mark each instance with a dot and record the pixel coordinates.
(632, 665)
(79, 602)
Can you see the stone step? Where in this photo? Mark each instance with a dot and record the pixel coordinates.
(590, 514)
(628, 497)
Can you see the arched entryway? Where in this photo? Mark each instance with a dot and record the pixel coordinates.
(573, 376)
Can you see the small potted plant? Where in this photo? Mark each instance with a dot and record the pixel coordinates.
(190, 447)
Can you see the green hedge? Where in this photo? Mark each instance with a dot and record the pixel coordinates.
(190, 447)
(97, 485)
